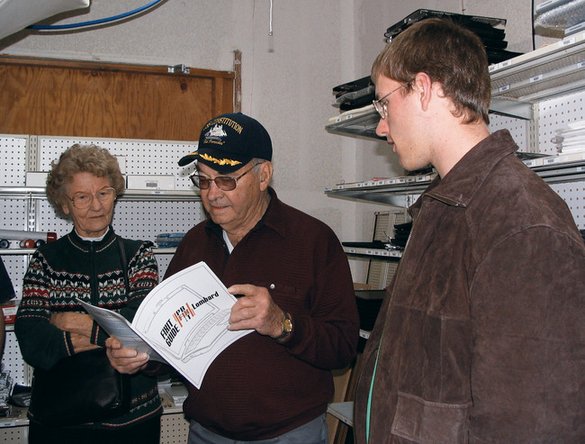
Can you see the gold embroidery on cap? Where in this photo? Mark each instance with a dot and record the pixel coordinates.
(224, 161)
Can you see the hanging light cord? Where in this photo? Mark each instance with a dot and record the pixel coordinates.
(97, 21)
(270, 19)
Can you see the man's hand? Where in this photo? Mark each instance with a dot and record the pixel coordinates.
(79, 323)
(79, 326)
(255, 310)
(125, 360)
(81, 343)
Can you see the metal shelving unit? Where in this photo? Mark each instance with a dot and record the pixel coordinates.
(38, 193)
(379, 253)
(25, 251)
(520, 86)
(546, 72)
(360, 123)
(137, 195)
(399, 191)
(395, 191)
(517, 84)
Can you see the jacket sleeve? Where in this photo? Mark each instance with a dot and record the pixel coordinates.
(142, 278)
(328, 334)
(528, 367)
(41, 343)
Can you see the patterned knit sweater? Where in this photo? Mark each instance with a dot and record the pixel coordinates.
(70, 268)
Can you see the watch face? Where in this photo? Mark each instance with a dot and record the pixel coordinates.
(287, 325)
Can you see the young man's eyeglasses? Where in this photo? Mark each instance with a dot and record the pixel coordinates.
(224, 183)
(381, 105)
(82, 201)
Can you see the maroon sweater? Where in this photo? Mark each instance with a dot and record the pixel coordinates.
(258, 388)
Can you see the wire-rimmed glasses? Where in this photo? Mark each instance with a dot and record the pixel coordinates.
(381, 105)
(82, 201)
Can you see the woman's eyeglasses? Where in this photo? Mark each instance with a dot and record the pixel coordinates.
(82, 201)
(224, 183)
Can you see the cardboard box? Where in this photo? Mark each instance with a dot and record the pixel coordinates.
(153, 183)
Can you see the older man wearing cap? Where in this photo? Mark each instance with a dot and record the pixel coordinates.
(294, 289)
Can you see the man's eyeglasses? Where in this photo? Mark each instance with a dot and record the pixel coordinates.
(381, 105)
(224, 183)
(82, 201)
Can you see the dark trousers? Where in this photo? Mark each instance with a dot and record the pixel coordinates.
(145, 432)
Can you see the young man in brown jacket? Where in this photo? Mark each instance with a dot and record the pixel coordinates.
(482, 334)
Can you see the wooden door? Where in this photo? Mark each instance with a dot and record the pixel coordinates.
(74, 98)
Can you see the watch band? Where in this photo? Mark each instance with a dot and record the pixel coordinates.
(287, 327)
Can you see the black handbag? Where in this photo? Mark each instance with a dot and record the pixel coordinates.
(81, 388)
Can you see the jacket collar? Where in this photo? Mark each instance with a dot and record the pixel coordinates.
(459, 186)
(85, 245)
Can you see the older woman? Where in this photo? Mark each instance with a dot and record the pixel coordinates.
(87, 264)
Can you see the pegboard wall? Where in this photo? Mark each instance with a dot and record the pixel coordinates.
(519, 129)
(142, 157)
(14, 151)
(12, 361)
(537, 136)
(552, 115)
(176, 427)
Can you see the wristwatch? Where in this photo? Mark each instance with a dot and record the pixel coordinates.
(287, 327)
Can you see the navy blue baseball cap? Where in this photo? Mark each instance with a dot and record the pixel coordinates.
(230, 141)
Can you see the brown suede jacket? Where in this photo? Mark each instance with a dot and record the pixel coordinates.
(481, 337)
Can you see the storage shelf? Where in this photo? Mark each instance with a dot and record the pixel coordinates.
(146, 195)
(16, 251)
(360, 123)
(374, 252)
(394, 191)
(546, 72)
(517, 84)
(22, 251)
(561, 173)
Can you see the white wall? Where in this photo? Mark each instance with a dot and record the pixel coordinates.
(287, 77)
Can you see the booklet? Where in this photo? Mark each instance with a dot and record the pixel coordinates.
(182, 322)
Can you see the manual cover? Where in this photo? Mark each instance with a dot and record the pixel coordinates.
(183, 322)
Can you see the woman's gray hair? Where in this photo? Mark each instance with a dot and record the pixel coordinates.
(81, 159)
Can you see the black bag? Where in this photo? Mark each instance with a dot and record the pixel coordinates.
(79, 389)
